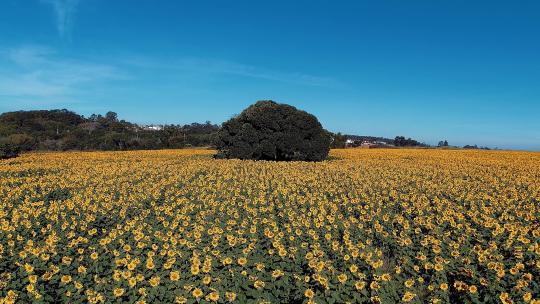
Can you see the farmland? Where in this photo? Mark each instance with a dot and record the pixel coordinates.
(402, 225)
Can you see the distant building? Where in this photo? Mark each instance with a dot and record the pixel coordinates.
(368, 144)
(152, 127)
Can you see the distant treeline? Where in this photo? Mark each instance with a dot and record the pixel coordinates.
(476, 147)
(61, 130)
(66, 130)
(340, 141)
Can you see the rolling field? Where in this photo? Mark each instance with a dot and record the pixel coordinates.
(378, 226)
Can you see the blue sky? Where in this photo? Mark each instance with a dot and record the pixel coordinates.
(465, 71)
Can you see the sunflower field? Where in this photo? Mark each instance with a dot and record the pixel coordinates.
(177, 226)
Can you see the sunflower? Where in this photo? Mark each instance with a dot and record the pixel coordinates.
(78, 285)
(360, 285)
(197, 293)
(32, 279)
(65, 279)
(81, 269)
(118, 292)
(277, 273)
(408, 296)
(132, 282)
(259, 284)
(231, 296)
(28, 268)
(242, 261)
(154, 281)
(174, 275)
(213, 296)
(342, 278)
(30, 288)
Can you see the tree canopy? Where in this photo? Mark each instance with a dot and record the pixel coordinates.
(66, 130)
(8, 149)
(268, 130)
(401, 141)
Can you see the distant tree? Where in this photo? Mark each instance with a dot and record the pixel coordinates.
(111, 116)
(401, 141)
(51, 145)
(271, 131)
(338, 141)
(94, 117)
(475, 147)
(442, 143)
(8, 149)
(115, 141)
(24, 141)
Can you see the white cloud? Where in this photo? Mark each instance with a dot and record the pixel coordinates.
(27, 55)
(65, 11)
(30, 85)
(38, 72)
(39, 75)
(213, 66)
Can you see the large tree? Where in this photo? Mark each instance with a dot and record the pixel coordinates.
(271, 131)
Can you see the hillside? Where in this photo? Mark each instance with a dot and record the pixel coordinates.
(66, 130)
(61, 130)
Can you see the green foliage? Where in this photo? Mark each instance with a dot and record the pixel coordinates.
(475, 147)
(60, 194)
(271, 131)
(66, 130)
(338, 141)
(401, 141)
(8, 149)
(443, 143)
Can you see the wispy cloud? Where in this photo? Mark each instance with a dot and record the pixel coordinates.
(27, 56)
(37, 75)
(37, 72)
(64, 11)
(215, 66)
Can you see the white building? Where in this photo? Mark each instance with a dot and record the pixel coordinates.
(152, 127)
